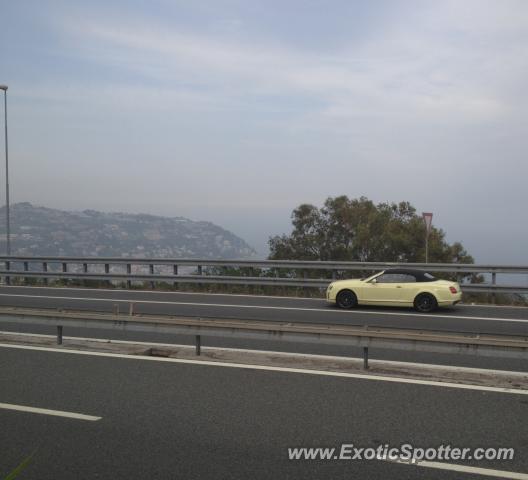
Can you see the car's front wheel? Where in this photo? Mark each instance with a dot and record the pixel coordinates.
(425, 303)
(346, 299)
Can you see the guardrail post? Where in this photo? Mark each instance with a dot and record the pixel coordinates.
(365, 358)
(200, 272)
(175, 272)
(493, 282)
(65, 270)
(85, 270)
(26, 268)
(59, 334)
(305, 276)
(151, 270)
(45, 270)
(107, 271)
(129, 272)
(8, 267)
(198, 344)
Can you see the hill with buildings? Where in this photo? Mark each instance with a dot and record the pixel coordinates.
(43, 231)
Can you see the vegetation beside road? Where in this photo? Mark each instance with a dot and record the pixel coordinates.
(358, 230)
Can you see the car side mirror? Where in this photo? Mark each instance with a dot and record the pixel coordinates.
(374, 281)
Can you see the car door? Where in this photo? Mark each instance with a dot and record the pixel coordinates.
(409, 288)
(384, 289)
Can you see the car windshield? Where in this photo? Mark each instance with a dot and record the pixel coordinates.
(368, 279)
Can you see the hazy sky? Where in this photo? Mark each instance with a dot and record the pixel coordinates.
(238, 111)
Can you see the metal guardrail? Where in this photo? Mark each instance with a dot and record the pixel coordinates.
(292, 282)
(496, 345)
(285, 264)
(39, 267)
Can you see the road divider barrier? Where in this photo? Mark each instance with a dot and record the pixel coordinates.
(363, 336)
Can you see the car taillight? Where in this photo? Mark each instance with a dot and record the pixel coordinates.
(453, 289)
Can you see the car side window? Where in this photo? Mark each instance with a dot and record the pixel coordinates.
(389, 278)
(395, 278)
(407, 278)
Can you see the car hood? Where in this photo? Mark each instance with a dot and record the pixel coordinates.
(347, 281)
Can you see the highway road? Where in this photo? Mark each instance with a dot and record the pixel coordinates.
(132, 418)
(483, 319)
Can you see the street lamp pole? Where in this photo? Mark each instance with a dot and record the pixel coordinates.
(426, 247)
(8, 226)
(428, 219)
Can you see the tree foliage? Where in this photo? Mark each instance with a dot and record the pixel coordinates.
(346, 229)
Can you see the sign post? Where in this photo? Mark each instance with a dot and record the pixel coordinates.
(428, 219)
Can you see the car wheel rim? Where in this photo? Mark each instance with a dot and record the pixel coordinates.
(425, 304)
(345, 300)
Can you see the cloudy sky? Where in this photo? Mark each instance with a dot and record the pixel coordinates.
(236, 111)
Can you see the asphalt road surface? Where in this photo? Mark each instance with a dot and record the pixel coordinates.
(466, 318)
(163, 420)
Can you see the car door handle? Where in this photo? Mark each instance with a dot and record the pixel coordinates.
(398, 286)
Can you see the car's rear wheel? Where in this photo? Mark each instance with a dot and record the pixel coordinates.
(425, 303)
(346, 299)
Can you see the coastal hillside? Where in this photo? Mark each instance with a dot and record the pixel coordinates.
(43, 231)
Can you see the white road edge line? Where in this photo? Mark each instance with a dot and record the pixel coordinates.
(373, 361)
(45, 411)
(275, 369)
(161, 292)
(267, 307)
(454, 467)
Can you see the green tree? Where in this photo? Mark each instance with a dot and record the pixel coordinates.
(347, 229)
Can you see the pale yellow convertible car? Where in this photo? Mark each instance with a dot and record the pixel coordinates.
(395, 287)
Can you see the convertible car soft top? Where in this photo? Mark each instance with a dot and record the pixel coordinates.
(420, 275)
